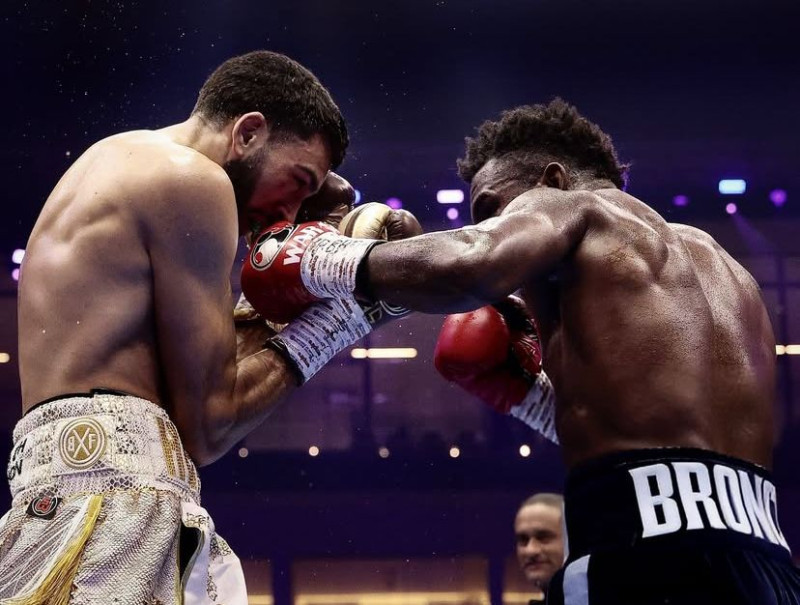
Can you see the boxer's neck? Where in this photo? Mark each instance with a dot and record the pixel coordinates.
(202, 136)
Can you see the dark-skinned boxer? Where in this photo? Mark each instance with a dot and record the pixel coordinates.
(658, 352)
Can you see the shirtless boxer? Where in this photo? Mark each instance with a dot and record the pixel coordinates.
(128, 352)
(657, 342)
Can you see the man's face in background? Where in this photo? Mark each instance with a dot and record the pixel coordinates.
(540, 544)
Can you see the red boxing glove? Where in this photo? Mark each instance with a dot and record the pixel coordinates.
(271, 275)
(493, 353)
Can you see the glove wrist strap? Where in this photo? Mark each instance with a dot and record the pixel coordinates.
(323, 330)
(538, 409)
(330, 264)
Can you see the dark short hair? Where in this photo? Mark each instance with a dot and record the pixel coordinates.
(292, 99)
(539, 134)
(548, 498)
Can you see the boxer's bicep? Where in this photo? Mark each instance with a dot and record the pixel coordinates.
(528, 244)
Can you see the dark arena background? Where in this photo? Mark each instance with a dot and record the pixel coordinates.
(378, 483)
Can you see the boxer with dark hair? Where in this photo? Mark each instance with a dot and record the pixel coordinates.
(128, 351)
(658, 357)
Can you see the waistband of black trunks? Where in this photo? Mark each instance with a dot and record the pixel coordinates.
(671, 498)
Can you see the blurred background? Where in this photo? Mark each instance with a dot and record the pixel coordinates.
(378, 483)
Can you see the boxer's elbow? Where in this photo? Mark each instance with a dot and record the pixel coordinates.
(211, 437)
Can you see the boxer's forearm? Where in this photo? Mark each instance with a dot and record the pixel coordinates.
(263, 381)
(463, 269)
(444, 272)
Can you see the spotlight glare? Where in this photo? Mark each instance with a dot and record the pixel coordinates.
(394, 203)
(524, 450)
(455, 452)
(17, 256)
(357, 198)
(680, 200)
(384, 353)
(5, 357)
(778, 197)
(732, 186)
(731, 208)
(383, 452)
(313, 451)
(450, 196)
(15, 274)
(452, 213)
(243, 452)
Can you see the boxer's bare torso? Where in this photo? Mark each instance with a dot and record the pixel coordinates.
(86, 294)
(655, 337)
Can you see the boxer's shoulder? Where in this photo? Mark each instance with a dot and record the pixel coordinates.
(152, 159)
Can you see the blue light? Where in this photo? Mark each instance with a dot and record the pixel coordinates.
(732, 186)
(358, 197)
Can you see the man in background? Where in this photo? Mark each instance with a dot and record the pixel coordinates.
(539, 537)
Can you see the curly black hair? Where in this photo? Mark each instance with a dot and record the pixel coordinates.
(291, 98)
(538, 134)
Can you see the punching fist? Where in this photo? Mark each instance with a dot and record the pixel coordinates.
(271, 279)
(291, 266)
(495, 354)
(374, 220)
(330, 204)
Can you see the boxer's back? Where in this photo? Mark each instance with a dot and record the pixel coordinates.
(660, 339)
(85, 293)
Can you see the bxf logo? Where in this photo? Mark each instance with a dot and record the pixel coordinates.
(730, 498)
(82, 442)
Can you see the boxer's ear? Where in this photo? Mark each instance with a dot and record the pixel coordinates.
(555, 175)
(249, 133)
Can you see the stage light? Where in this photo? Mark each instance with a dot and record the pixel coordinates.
(5, 357)
(787, 349)
(732, 186)
(524, 450)
(455, 452)
(452, 213)
(358, 197)
(383, 452)
(449, 196)
(313, 451)
(680, 200)
(243, 452)
(384, 353)
(17, 256)
(731, 208)
(777, 197)
(15, 274)
(394, 203)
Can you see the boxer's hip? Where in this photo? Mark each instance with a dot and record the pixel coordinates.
(106, 508)
(97, 443)
(674, 525)
(669, 497)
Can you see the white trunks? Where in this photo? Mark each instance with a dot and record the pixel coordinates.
(106, 509)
